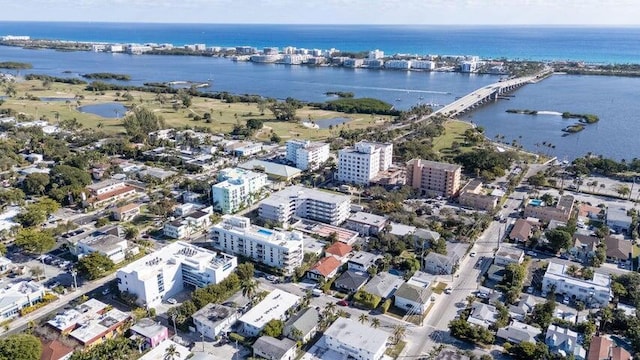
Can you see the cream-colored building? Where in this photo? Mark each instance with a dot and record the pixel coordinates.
(472, 195)
(560, 212)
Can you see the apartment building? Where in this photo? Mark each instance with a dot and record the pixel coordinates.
(593, 292)
(167, 271)
(360, 164)
(237, 188)
(473, 195)
(275, 305)
(108, 240)
(561, 212)
(193, 222)
(307, 155)
(434, 178)
(355, 340)
(312, 204)
(15, 297)
(108, 191)
(398, 64)
(279, 249)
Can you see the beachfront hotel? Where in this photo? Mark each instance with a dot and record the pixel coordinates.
(169, 270)
(298, 201)
(360, 164)
(279, 249)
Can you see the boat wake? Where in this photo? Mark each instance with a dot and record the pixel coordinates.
(549, 113)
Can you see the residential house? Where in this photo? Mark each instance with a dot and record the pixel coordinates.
(325, 269)
(602, 348)
(521, 231)
(55, 350)
(366, 224)
(439, 264)
(214, 319)
(482, 314)
(384, 285)
(619, 250)
(192, 223)
(358, 341)
(518, 332)
(584, 246)
(339, 250)
(412, 298)
(496, 273)
(306, 324)
(423, 237)
(267, 347)
(108, 240)
(151, 331)
(564, 342)
(618, 220)
(16, 296)
(508, 255)
(108, 191)
(523, 308)
(450, 354)
(351, 281)
(5, 264)
(126, 212)
(588, 212)
(362, 261)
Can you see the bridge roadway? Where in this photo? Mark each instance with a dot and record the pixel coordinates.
(484, 95)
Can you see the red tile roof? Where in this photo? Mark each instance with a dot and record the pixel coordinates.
(54, 350)
(339, 249)
(113, 193)
(599, 348)
(618, 353)
(326, 266)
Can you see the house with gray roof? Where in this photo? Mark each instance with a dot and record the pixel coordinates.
(351, 281)
(362, 261)
(306, 322)
(270, 348)
(438, 264)
(517, 332)
(617, 219)
(482, 314)
(412, 298)
(564, 342)
(384, 285)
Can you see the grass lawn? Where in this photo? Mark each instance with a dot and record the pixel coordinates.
(439, 288)
(635, 251)
(454, 131)
(395, 350)
(224, 115)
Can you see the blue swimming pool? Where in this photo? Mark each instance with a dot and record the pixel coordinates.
(265, 232)
(536, 202)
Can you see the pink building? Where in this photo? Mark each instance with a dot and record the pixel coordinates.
(153, 333)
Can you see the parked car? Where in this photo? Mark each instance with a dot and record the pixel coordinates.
(343, 303)
(448, 290)
(473, 254)
(172, 301)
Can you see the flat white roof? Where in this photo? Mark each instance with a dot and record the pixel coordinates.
(158, 352)
(359, 335)
(368, 218)
(80, 314)
(557, 272)
(274, 306)
(300, 192)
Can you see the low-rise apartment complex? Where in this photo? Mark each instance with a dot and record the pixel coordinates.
(355, 340)
(274, 306)
(169, 270)
(312, 204)
(560, 212)
(279, 249)
(434, 178)
(593, 292)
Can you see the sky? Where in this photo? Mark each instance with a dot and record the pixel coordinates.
(410, 12)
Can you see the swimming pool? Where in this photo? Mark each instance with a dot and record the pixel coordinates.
(265, 232)
(536, 202)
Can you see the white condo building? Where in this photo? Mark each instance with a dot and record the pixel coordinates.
(398, 64)
(593, 292)
(279, 249)
(299, 201)
(360, 164)
(355, 340)
(167, 271)
(306, 154)
(274, 306)
(238, 188)
(423, 64)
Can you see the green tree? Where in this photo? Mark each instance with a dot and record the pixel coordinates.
(249, 288)
(399, 332)
(20, 347)
(3, 249)
(559, 239)
(273, 328)
(363, 318)
(95, 265)
(131, 232)
(171, 353)
(65, 175)
(35, 184)
(245, 271)
(35, 241)
(12, 197)
(102, 222)
(141, 122)
(375, 323)
(275, 138)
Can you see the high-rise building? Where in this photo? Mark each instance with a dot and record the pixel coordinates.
(360, 164)
(434, 178)
(238, 188)
(306, 154)
(279, 249)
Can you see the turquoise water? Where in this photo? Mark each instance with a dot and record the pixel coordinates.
(265, 232)
(106, 110)
(536, 202)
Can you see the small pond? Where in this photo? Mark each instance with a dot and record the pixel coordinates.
(106, 110)
(325, 123)
(50, 99)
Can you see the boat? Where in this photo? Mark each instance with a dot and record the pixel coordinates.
(398, 99)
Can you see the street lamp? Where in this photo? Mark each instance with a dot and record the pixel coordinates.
(175, 331)
(74, 273)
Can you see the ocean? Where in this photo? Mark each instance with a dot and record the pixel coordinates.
(590, 44)
(613, 99)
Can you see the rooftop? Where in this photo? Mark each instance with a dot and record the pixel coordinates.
(213, 314)
(97, 326)
(326, 266)
(116, 192)
(127, 207)
(103, 242)
(557, 272)
(242, 226)
(300, 192)
(103, 184)
(18, 292)
(339, 249)
(82, 313)
(271, 168)
(413, 293)
(384, 284)
(437, 165)
(158, 352)
(510, 252)
(148, 328)
(518, 331)
(364, 258)
(305, 320)
(352, 332)
(272, 347)
(175, 254)
(274, 306)
(368, 219)
(617, 214)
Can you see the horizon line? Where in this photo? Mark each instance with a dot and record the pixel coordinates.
(326, 24)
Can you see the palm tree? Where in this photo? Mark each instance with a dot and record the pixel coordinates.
(375, 323)
(296, 334)
(249, 288)
(171, 353)
(363, 318)
(139, 341)
(342, 313)
(330, 308)
(399, 331)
